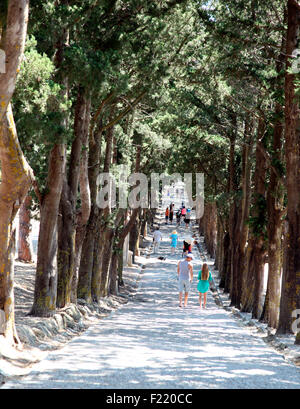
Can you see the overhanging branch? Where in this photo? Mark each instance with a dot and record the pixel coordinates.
(123, 113)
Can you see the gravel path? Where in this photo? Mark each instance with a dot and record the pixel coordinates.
(151, 343)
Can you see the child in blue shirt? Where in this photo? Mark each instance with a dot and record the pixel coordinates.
(174, 239)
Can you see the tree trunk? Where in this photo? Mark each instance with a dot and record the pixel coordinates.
(133, 238)
(102, 247)
(106, 259)
(259, 260)
(275, 196)
(233, 225)
(66, 246)
(116, 269)
(44, 304)
(259, 213)
(45, 292)
(16, 175)
(16, 180)
(113, 285)
(242, 214)
(234, 244)
(210, 230)
(252, 292)
(25, 252)
(84, 288)
(274, 227)
(68, 217)
(290, 299)
(122, 234)
(96, 269)
(89, 253)
(109, 255)
(225, 271)
(220, 245)
(12, 41)
(85, 208)
(247, 299)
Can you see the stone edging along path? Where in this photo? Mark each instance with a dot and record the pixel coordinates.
(39, 336)
(283, 344)
(43, 335)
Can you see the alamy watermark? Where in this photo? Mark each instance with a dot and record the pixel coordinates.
(295, 68)
(296, 322)
(136, 190)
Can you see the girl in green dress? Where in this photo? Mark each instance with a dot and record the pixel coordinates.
(204, 276)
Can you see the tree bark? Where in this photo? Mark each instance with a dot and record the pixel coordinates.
(25, 252)
(16, 175)
(220, 245)
(225, 272)
(210, 229)
(242, 214)
(84, 288)
(85, 199)
(68, 217)
(105, 233)
(259, 244)
(274, 210)
(290, 299)
(113, 285)
(92, 249)
(275, 196)
(106, 260)
(247, 300)
(88, 253)
(252, 293)
(16, 178)
(45, 293)
(233, 216)
(117, 264)
(12, 40)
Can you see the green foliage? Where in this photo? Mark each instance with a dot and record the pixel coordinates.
(258, 220)
(206, 67)
(38, 109)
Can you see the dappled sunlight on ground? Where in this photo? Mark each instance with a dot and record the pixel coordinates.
(153, 343)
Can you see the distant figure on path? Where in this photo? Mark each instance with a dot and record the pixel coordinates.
(187, 247)
(204, 277)
(167, 212)
(157, 237)
(174, 239)
(187, 218)
(185, 277)
(171, 214)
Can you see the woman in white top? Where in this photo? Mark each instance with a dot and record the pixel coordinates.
(157, 237)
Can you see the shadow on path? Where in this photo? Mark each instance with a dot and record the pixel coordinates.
(151, 343)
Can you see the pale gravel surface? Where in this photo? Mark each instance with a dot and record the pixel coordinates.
(151, 343)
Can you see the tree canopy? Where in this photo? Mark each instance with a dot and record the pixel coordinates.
(172, 86)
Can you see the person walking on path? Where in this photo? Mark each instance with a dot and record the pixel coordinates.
(157, 237)
(167, 215)
(187, 218)
(183, 211)
(185, 278)
(171, 214)
(174, 239)
(187, 247)
(204, 277)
